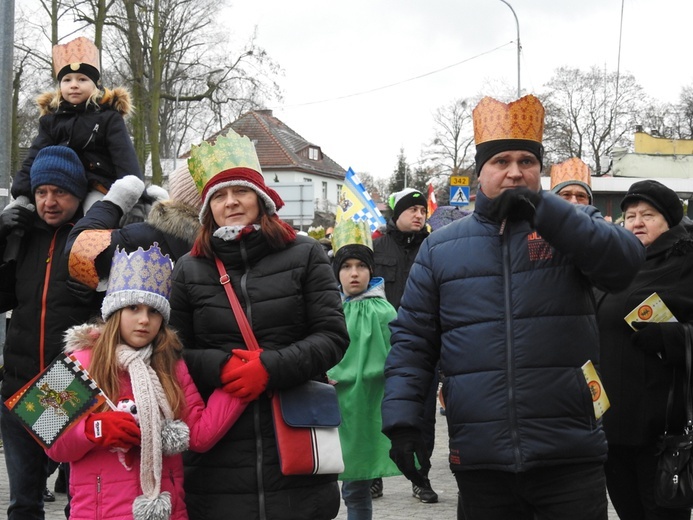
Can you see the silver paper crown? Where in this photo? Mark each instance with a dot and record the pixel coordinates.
(140, 277)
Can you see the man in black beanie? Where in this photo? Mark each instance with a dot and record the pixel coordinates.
(394, 255)
(502, 300)
(34, 284)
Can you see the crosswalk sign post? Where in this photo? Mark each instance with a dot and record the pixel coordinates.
(459, 195)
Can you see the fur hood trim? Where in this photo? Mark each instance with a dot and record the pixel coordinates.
(117, 98)
(175, 218)
(81, 337)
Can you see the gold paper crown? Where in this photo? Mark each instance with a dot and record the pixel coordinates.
(351, 232)
(228, 151)
(79, 50)
(574, 169)
(520, 119)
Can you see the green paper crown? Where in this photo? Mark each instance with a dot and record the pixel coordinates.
(228, 151)
(351, 232)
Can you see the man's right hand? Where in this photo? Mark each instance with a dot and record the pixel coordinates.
(406, 444)
(15, 217)
(515, 204)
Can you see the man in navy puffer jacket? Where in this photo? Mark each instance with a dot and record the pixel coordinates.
(503, 299)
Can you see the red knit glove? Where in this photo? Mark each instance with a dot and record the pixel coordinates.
(113, 430)
(244, 376)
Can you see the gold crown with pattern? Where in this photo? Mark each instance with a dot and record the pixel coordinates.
(227, 152)
(520, 119)
(78, 51)
(350, 231)
(574, 169)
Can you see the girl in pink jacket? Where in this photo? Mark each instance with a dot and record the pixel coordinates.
(128, 464)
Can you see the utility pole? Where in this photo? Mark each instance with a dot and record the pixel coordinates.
(519, 48)
(6, 53)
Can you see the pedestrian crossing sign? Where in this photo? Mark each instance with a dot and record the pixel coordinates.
(459, 195)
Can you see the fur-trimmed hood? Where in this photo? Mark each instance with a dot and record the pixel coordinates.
(81, 337)
(175, 218)
(117, 99)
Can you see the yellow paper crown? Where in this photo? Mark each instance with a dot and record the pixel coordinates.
(520, 119)
(351, 232)
(228, 151)
(574, 169)
(73, 53)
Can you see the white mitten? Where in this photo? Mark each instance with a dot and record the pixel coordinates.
(125, 192)
(156, 193)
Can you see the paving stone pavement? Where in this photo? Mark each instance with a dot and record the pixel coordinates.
(396, 503)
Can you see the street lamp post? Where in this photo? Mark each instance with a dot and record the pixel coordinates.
(519, 47)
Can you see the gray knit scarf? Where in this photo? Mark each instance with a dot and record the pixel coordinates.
(152, 408)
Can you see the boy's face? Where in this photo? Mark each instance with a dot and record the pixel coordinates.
(354, 276)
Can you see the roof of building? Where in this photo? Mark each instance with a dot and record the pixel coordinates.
(280, 148)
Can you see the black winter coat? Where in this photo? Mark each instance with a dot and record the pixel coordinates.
(394, 254)
(293, 304)
(40, 314)
(97, 133)
(636, 382)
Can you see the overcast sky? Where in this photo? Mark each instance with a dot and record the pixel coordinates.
(350, 67)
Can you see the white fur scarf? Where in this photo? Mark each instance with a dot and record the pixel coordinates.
(151, 405)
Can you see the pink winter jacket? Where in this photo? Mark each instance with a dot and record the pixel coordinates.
(100, 485)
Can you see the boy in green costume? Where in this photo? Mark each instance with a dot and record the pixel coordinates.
(359, 375)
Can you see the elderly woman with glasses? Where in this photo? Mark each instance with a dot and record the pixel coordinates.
(638, 363)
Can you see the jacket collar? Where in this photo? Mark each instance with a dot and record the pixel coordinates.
(407, 238)
(676, 241)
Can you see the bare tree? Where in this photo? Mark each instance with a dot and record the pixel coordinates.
(587, 115)
(176, 55)
(660, 119)
(373, 184)
(453, 140)
(684, 119)
(185, 79)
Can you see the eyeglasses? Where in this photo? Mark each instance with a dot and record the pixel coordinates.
(579, 196)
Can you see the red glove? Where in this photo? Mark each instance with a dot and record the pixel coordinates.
(113, 430)
(244, 376)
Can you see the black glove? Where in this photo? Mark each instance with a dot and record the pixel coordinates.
(82, 292)
(650, 336)
(407, 442)
(17, 218)
(515, 204)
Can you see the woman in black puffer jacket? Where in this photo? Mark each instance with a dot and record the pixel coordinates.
(637, 367)
(288, 291)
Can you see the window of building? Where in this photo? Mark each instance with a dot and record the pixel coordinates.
(313, 154)
(324, 189)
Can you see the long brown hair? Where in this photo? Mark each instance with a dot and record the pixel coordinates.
(166, 352)
(277, 232)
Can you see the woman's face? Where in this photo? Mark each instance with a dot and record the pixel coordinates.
(644, 221)
(235, 206)
(76, 88)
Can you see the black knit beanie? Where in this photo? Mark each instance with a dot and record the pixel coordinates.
(664, 200)
(486, 150)
(405, 199)
(358, 251)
